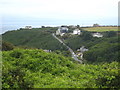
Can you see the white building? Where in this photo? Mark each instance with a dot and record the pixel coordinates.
(28, 27)
(61, 31)
(82, 49)
(47, 50)
(79, 54)
(97, 35)
(77, 31)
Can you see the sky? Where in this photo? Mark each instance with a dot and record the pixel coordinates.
(59, 12)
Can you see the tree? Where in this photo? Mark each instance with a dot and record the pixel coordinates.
(43, 26)
(78, 26)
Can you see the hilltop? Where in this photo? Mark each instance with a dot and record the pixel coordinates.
(40, 38)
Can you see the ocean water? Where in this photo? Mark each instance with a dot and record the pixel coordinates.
(17, 25)
(9, 27)
(14, 25)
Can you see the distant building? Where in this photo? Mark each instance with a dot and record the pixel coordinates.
(82, 49)
(47, 50)
(97, 35)
(28, 27)
(79, 54)
(77, 31)
(96, 25)
(61, 31)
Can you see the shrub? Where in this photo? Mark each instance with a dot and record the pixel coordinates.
(7, 46)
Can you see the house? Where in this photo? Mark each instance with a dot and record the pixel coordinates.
(61, 31)
(97, 35)
(76, 31)
(47, 50)
(28, 27)
(79, 54)
(82, 49)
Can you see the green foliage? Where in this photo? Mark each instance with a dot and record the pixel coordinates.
(38, 69)
(35, 38)
(111, 34)
(86, 36)
(7, 46)
(104, 51)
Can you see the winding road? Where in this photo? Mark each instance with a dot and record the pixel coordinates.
(74, 56)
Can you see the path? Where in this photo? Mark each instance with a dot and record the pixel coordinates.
(74, 56)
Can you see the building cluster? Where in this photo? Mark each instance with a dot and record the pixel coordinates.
(62, 30)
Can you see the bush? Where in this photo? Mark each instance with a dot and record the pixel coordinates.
(111, 33)
(38, 69)
(7, 46)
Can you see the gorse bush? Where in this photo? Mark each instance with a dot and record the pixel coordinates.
(37, 69)
(7, 46)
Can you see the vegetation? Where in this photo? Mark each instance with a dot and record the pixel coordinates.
(35, 38)
(103, 52)
(101, 29)
(7, 46)
(103, 49)
(33, 68)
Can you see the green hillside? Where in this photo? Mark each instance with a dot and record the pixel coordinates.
(33, 68)
(100, 49)
(105, 49)
(35, 38)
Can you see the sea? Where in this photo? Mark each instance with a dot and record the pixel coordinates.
(9, 27)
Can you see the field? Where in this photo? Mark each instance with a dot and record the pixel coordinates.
(101, 29)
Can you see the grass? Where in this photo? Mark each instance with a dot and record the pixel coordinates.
(101, 29)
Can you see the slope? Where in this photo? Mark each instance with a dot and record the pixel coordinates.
(35, 38)
(38, 69)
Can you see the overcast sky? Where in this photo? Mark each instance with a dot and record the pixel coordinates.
(60, 11)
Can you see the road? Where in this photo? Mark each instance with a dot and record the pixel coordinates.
(74, 56)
